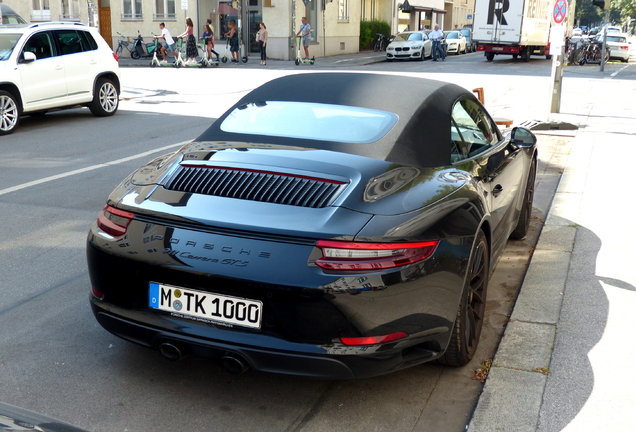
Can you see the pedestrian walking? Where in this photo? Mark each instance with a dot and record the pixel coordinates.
(191, 42)
(305, 32)
(261, 39)
(436, 36)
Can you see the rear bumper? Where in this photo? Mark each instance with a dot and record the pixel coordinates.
(512, 49)
(307, 360)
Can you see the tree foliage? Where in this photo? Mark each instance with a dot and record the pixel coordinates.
(369, 31)
(588, 14)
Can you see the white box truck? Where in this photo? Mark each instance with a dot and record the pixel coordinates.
(512, 27)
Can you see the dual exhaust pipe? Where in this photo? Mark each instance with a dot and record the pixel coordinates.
(231, 362)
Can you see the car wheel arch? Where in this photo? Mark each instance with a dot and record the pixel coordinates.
(13, 89)
(107, 75)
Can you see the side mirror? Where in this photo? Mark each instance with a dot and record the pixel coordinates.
(522, 137)
(28, 57)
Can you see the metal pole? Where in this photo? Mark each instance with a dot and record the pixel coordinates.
(604, 39)
(293, 27)
(324, 29)
(557, 79)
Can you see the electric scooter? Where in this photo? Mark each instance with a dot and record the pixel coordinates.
(141, 49)
(157, 58)
(180, 61)
(206, 61)
(226, 54)
(299, 59)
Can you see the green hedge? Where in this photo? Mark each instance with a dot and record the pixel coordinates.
(369, 33)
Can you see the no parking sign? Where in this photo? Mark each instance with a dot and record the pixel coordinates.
(560, 11)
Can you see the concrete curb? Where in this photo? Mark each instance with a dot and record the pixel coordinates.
(512, 396)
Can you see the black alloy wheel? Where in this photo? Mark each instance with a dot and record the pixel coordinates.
(523, 222)
(471, 312)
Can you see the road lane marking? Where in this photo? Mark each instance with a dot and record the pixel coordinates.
(619, 71)
(86, 169)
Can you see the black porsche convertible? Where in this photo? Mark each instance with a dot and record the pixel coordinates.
(319, 227)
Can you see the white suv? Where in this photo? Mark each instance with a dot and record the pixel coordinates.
(55, 65)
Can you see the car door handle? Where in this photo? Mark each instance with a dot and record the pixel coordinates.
(497, 190)
(58, 67)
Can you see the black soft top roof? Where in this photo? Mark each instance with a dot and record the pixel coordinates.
(421, 136)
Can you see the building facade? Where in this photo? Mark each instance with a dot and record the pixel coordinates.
(335, 24)
(421, 14)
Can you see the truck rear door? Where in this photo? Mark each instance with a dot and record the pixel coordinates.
(498, 21)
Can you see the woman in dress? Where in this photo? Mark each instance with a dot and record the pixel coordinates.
(261, 38)
(191, 42)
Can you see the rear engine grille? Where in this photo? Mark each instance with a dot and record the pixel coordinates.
(254, 185)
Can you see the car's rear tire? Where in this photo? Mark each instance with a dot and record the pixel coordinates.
(471, 312)
(9, 113)
(105, 98)
(523, 223)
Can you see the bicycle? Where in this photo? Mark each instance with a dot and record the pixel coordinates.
(124, 42)
(594, 51)
(380, 43)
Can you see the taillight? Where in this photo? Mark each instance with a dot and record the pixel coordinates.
(97, 293)
(355, 256)
(114, 221)
(625, 47)
(373, 340)
(116, 57)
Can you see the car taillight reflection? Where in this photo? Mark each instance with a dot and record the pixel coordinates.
(356, 256)
(114, 221)
(373, 340)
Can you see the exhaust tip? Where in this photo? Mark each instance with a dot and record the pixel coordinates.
(171, 351)
(234, 364)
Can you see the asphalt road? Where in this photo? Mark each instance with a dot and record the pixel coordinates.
(55, 174)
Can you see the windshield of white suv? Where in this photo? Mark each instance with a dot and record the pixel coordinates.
(7, 42)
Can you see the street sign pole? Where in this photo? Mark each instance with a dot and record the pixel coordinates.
(557, 40)
(604, 39)
(557, 52)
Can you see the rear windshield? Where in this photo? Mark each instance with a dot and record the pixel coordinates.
(620, 39)
(7, 42)
(323, 122)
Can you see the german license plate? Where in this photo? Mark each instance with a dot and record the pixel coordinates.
(205, 306)
(497, 48)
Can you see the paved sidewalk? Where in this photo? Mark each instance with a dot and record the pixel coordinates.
(566, 361)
